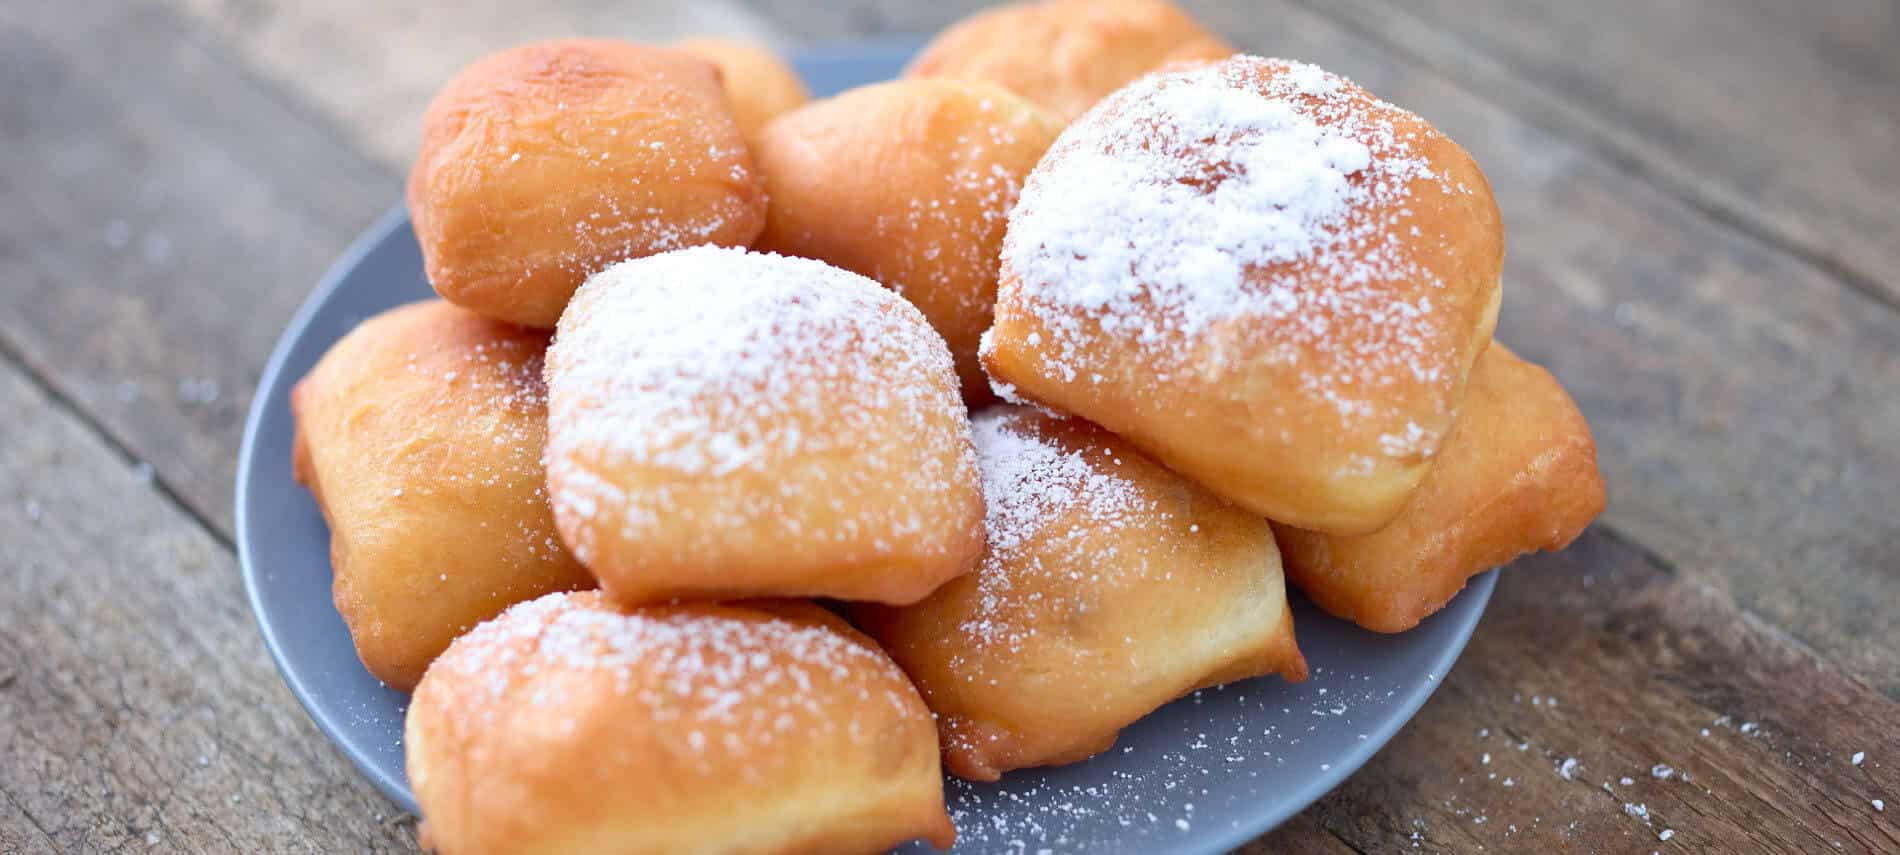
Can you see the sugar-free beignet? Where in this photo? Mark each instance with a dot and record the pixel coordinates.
(1110, 586)
(571, 725)
(910, 183)
(759, 84)
(1518, 474)
(1066, 54)
(421, 434)
(1261, 275)
(726, 423)
(544, 163)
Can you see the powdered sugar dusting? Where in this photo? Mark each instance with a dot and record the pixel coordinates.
(953, 233)
(1222, 753)
(501, 378)
(1029, 483)
(747, 677)
(1192, 207)
(506, 371)
(1029, 480)
(711, 361)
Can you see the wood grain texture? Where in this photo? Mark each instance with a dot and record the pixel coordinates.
(1301, 835)
(1781, 118)
(1740, 395)
(137, 707)
(1607, 698)
(166, 214)
(372, 65)
(19, 833)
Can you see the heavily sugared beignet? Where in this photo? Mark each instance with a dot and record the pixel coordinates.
(572, 725)
(910, 183)
(1263, 276)
(1110, 586)
(544, 163)
(420, 434)
(1066, 54)
(759, 85)
(725, 423)
(1518, 474)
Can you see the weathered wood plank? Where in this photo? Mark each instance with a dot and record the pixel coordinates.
(18, 832)
(1680, 714)
(137, 706)
(372, 65)
(1780, 117)
(1741, 398)
(1301, 835)
(166, 213)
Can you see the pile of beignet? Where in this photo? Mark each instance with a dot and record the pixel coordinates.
(747, 551)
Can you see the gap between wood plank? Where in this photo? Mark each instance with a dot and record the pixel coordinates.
(1615, 156)
(14, 357)
(32, 820)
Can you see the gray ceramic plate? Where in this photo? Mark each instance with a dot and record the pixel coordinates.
(1200, 776)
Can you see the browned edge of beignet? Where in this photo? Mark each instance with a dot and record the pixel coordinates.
(1519, 473)
(572, 724)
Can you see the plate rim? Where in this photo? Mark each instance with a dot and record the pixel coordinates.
(268, 383)
(1318, 787)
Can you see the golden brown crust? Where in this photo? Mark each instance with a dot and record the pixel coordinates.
(570, 724)
(730, 424)
(909, 183)
(1518, 474)
(420, 434)
(544, 163)
(1322, 381)
(759, 85)
(1110, 587)
(1066, 54)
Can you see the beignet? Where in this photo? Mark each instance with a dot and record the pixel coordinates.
(420, 434)
(759, 85)
(1066, 54)
(910, 183)
(1518, 474)
(1110, 586)
(544, 163)
(725, 424)
(572, 725)
(1261, 275)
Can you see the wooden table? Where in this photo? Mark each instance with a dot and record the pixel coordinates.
(1703, 201)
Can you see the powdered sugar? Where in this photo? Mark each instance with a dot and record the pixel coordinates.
(952, 234)
(1029, 480)
(708, 362)
(490, 377)
(665, 351)
(1029, 483)
(1189, 209)
(747, 677)
(506, 371)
